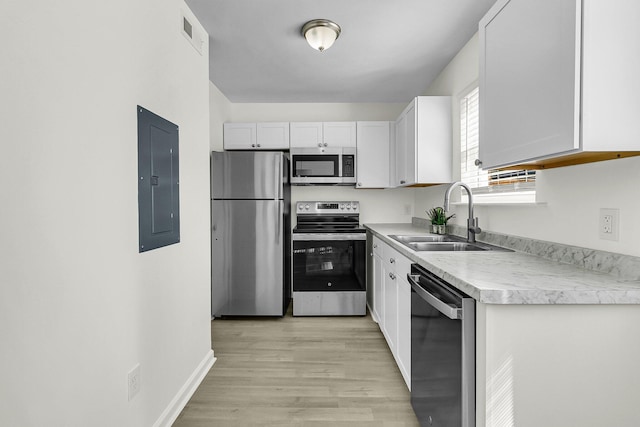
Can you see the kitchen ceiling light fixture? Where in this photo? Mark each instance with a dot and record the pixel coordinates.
(321, 33)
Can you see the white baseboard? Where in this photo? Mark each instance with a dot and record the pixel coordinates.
(177, 404)
(373, 315)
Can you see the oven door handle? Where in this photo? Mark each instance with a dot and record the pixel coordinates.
(328, 236)
(451, 312)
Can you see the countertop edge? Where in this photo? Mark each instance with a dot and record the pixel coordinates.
(515, 296)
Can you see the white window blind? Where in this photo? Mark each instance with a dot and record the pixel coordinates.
(486, 181)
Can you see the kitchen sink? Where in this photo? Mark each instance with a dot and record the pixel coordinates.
(413, 239)
(435, 242)
(444, 246)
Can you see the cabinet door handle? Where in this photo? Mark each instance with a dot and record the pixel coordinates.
(375, 246)
(258, 145)
(392, 276)
(391, 260)
(359, 184)
(478, 162)
(325, 144)
(319, 144)
(402, 181)
(253, 145)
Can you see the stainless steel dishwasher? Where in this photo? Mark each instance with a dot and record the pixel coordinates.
(442, 352)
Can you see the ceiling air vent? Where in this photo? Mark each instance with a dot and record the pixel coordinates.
(192, 34)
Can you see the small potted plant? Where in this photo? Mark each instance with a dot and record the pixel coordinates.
(439, 219)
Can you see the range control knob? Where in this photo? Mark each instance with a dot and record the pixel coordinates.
(348, 206)
(306, 207)
(342, 206)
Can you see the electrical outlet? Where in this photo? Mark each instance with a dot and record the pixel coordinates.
(133, 381)
(608, 224)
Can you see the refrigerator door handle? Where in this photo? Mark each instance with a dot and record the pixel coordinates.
(278, 179)
(278, 215)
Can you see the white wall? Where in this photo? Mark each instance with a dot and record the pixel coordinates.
(375, 205)
(219, 112)
(79, 306)
(569, 198)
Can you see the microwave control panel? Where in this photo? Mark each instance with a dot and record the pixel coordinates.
(348, 165)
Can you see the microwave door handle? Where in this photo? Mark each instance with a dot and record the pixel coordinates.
(444, 308)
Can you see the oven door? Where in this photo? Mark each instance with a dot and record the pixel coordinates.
(329, 262)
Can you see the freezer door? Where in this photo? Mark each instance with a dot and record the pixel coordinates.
(247, 175)
(247, 266)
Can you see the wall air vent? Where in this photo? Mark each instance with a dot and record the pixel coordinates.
(194, 35)
(187, 27)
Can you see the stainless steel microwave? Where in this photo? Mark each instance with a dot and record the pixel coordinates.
(323, 166)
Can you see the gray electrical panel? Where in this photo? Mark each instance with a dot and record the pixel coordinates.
(158, 193)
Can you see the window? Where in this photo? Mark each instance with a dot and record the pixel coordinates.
(493, 185)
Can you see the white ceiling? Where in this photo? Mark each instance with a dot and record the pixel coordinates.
(389, 50)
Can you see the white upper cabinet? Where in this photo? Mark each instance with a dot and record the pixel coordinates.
(274, 136)
(239, 136)
(306, 134)
(373, 154)
(256, 136)
(399, 175)
(423, 144)
(339, 134)
(558, 78)
(319, 134)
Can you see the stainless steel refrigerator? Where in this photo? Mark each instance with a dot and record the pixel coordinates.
(250, 234)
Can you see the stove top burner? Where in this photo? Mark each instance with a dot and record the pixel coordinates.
(356, 229)
(328, 217)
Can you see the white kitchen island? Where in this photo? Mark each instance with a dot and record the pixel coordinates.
(556, 344)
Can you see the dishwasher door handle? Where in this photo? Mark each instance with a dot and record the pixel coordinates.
(451, 312)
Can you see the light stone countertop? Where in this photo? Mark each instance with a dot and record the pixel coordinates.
(515, 277)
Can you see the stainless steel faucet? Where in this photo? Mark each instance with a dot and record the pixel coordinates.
(472, 223)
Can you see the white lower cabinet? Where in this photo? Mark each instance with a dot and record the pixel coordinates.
(377, 304)
(577, 361)
(403, 358)
(390, 320)
(392, 303)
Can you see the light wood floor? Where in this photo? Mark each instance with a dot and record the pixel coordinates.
(300, 371)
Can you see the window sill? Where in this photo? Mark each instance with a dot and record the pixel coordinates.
(516, 198)
(501, 203)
